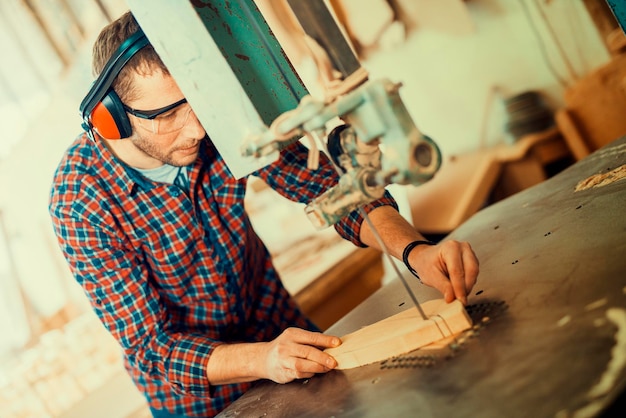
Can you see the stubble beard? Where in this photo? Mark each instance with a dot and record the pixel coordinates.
(152, 150)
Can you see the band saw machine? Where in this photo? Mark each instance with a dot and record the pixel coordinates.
(534, 347)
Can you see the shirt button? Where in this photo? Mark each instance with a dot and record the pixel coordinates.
(176, 191)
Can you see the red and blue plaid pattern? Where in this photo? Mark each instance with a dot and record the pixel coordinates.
(172, 274)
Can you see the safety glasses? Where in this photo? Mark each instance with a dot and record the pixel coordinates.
(168, 119)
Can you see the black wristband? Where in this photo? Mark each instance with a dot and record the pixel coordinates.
(407, 251)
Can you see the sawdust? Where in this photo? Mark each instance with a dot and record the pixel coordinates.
(597, 395)
(597, 304)
(601, 180)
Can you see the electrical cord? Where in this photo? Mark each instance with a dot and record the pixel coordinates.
(555, 38)
(542, 45)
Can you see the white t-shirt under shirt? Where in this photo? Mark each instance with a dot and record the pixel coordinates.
(168, 174)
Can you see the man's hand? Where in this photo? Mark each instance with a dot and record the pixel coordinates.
(297, 354)
(450, 267)
(294, 354)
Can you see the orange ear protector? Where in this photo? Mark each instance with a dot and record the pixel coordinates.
(102, 110)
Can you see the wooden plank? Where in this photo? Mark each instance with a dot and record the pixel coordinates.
(571, 134)
(597, 103)
(401, 333)
(465, 182)
(344, 286)
(459, 189)
(517, 176)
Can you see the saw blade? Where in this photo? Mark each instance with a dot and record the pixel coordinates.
(393, 263)
(324, 146)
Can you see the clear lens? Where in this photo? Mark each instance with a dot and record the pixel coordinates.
(169, 122)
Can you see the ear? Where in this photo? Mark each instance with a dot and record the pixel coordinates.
(110, 119)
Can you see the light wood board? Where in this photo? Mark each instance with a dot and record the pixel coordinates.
(401, 333)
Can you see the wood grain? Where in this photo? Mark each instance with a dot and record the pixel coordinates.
(401, 333)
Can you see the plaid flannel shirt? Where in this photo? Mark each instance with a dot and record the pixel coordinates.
(172, 274)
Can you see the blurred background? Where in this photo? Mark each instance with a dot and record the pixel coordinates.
(467, 67)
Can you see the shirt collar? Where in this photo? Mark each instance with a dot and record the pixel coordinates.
(128, 179)
(120, 173)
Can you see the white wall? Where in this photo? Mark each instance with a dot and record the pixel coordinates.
(449, 71)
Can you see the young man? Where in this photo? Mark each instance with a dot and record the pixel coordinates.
(154, 229)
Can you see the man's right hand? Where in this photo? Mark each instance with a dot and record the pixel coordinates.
(297, 354)
(294, 354)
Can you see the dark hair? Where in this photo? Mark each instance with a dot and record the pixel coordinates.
(145, 61)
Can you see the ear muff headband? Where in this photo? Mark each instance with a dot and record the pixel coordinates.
(102, 109)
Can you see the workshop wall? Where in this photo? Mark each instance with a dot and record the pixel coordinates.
(40, 41)
(44, 72)
(460, 59)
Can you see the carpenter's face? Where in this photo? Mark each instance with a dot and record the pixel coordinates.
(172, 137)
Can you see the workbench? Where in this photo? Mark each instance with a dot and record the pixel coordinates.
(549, 314)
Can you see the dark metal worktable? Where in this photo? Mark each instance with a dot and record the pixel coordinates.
(549, 311)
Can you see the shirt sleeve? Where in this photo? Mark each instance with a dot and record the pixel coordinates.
(291, 178)
(117, 286)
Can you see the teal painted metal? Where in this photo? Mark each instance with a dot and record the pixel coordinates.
(254, 54)
(619, 10)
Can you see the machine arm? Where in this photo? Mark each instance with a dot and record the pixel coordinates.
(380, 144)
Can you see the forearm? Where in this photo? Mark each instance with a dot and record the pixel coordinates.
(395, 231)
(235, 363)
(295, 354)
(451, 266)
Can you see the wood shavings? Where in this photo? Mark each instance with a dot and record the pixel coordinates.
(595, 305)
(608, 382)
(618, 359)
(601, 180)
(563, 321)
